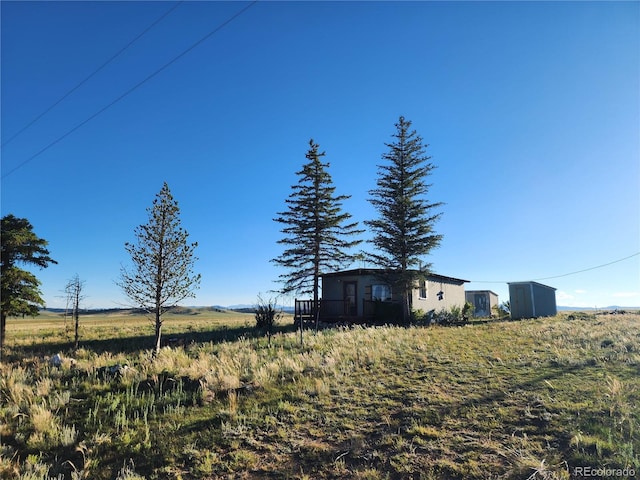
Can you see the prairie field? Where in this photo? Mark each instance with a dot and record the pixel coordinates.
(552, 398)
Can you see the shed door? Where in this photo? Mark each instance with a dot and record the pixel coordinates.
(350, 296)
(481, 305)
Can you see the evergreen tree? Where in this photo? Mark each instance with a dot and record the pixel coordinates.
(19, 289)
(318, 234)
(403, 232)
(163, 260)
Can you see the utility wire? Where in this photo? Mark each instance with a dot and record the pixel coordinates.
(566, 274)
(135, 87)
(91, 75)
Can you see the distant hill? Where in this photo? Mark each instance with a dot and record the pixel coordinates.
(584, 309)
(240, 308)
(245, 308)
(94, 311)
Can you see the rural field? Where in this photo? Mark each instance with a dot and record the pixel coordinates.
(553, 398)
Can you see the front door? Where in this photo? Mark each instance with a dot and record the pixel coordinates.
(350, 295)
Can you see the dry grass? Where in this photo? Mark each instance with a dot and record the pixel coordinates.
(528, 399)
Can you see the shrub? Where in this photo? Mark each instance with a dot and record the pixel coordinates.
(417, 316)
(128, 473)
(503, 310)
(467, 311)
(581, 316)
(454, 316)
(266, 315)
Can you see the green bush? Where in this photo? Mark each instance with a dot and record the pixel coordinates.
(503, 310)
(467, 311)
(454, 316)
(418, 316)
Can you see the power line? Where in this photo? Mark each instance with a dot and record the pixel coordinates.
(565, 274)
(135, 87)
(92, 74)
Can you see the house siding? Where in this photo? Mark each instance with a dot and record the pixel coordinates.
(453, 290)
(452, 295)
(333, 288)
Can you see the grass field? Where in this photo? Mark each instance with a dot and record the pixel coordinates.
(546, 398)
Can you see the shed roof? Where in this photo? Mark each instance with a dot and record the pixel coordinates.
(481, 291)
(531, 282)
(379, 271)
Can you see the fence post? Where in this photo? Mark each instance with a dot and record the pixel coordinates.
(298, 307)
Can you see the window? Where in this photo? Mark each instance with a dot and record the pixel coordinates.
(381, 292)
(423, 288)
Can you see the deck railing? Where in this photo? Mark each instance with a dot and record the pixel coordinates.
(306, 309)
(344, 310)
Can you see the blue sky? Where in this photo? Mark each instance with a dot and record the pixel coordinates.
(531, 111)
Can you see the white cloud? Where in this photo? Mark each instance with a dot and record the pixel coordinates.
(626, 294)
(561, 295)
(580, 292)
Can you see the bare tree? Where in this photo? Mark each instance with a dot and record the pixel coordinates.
(162, 273)
(73, 290)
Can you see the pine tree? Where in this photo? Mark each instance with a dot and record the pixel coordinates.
(163, 261)
(318, 234)
(19, 289)
(403, 232)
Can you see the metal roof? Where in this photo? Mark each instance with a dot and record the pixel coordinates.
(481, 291)
(531, 282)
(379, 271)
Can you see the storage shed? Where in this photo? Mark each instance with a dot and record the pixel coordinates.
(483, 301)
(531, 300)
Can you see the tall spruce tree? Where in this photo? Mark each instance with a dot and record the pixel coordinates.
(163, 260)
(318, 234)
(19, 289)
(403, 232)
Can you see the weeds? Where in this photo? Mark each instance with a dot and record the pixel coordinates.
(511, 400)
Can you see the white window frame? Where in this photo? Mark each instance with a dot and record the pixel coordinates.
(423, 287)
(380, 289)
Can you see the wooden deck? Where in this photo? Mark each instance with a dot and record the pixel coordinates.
(343, 312)
(327, 311)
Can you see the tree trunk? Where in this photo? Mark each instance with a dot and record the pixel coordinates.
(76, 316)
(316, 302)
(406, 311)
(160, 275)
(406, 291)
(76, 308)
(156, 350)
